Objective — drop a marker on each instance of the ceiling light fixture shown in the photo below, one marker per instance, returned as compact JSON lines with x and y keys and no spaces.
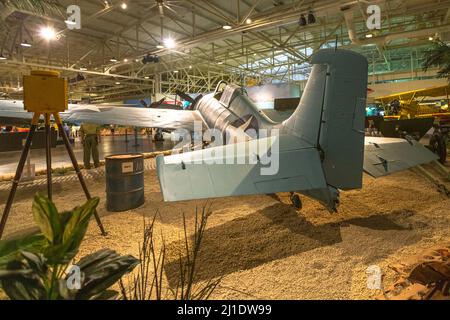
{"x":227,"y":27}
{"x":431,"y":38}
{"x":113,"y":59}
{"x":170,"y":43}
{"x":146,"y":77}
{"x":25,"y":44}
{"x":248,"y":21}
{"x":220,"y":62}
{"x":175,"y":71}
{"x":117,"y":83}
{"x":190,"y":67}
{"x":2,"y":57}
{"x":83,"y":69}
{"x":125,"y":60}
{"x":48,"y":33}
{"x":159,"y":46}
{"x":369,"y":35}
{"x":124,"y":6}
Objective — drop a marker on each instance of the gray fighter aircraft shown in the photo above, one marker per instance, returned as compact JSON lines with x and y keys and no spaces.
{"x":318,"y":151}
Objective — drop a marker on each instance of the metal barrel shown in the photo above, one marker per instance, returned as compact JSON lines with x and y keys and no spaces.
{"x":124,"y":181}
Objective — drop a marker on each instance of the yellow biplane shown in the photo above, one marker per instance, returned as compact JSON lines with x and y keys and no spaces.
{"x":413,"y":104}
{"x":415,"y":112}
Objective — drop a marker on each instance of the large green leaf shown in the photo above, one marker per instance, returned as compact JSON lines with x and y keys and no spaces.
{"x":36,"y":262}
{"x":102,"y":269}
{"x":76,"y":226}
{"x":64,"y":218}
{"x":91,"y":261}
{"x":59,"y":254}
{"x":21,"y":283}
{"x":47,"y":218}
{"x":10,"y":249}
{"x":106,"y":295}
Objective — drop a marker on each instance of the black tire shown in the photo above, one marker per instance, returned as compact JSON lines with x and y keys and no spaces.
{"x":296,"y":201}
{"x":438,"y":146}
{"x":159,"y":137}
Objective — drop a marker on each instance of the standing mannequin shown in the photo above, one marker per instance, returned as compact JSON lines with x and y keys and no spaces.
{"x":90,"y":138}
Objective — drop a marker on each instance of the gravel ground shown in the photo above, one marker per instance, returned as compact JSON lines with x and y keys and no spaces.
{"x":264,"y":249}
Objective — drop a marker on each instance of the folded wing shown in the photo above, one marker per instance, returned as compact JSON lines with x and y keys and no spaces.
{"x":383,"y":156}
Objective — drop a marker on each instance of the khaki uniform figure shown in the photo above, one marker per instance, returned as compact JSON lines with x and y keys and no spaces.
{"x":90,"y":138}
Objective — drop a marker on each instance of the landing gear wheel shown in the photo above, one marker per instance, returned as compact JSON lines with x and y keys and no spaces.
{"x":159,"y":136}
{"x":438,"y":146}
{"x":296,"y":201}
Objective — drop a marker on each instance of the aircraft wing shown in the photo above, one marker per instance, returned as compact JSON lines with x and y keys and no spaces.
{"x":437,"y":91}
{"x":219,"y":171}
{"x":383,"y":156}
{"x":138,"y":117}
{"x":113,"y":114}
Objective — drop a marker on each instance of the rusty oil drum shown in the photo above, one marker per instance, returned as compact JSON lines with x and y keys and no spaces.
{"x":124,"y":181}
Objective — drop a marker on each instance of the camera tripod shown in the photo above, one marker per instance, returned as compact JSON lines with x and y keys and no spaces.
{"x":48,"y":154}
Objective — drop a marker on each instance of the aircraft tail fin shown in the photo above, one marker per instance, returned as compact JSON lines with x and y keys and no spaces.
{"x":331,"y":114}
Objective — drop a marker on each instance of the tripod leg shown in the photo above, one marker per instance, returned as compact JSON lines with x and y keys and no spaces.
{"x":77,"y":169}
{"x":19,"y":170}
{"x":48,"y":155}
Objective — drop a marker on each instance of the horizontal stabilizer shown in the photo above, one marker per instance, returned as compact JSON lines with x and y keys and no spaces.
{"x":384,"y":156}
{"x":197,"y":174}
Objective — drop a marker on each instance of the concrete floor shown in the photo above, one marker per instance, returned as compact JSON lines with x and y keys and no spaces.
{"x":109,"y":145}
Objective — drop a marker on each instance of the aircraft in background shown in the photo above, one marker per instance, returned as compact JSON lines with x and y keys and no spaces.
{"x":320,"y":149}
{"x":176,"y":105}
{"x":413,"y":113}
{"x":412,"y":104}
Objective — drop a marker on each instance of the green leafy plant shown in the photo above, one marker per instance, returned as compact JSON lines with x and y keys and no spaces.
{"x":438,"y":56}
{"x":149,"y":282}
{"x":39,"y":266}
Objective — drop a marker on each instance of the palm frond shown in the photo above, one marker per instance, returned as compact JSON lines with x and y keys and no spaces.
{"x":438,"y":56}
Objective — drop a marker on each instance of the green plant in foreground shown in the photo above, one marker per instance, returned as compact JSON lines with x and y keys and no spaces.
{"x":149,"y":281}
{"x":38,"y":267}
